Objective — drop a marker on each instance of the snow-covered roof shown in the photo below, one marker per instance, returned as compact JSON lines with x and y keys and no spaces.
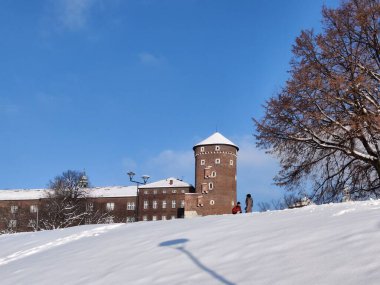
{"x":113,"y":191}
{"x":22,"y":194}
{"x":215,"y":139}
{"x":35,"y":194}
{"x":167,"y":183}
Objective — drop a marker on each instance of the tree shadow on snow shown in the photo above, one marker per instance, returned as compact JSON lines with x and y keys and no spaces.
{"x":179,"y":244}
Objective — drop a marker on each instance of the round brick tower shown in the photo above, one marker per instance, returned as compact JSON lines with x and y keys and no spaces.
{"x":215,"y":174}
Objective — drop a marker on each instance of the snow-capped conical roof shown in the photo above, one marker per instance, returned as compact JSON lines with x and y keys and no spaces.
{"x":216,"y":138}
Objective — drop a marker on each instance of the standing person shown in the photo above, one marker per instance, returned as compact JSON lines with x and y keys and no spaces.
{"x":248,"y":203}
{"x":236,"y":209}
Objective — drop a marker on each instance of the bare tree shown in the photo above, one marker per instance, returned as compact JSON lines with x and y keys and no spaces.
{"x":324,"y":125}
{"x":65,"y":202}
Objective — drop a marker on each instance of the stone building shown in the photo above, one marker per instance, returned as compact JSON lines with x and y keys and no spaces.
{"x":214,"y":193}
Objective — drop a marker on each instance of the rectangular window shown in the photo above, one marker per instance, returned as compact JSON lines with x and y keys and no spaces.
{"x":217,"y":161}
{"x":182,"y":203}
{"x":163,"y":191}
{"x":154,"y":218}
{"x":174,"y":191}
{"x":87,"y":221}
{"x":207,"y":172}
{"x":173,"y":217}
{"x":110,"y":206}
{"x":130,"y":219}
{"x":200,"y":201}
{"x":154,"y":204}
{"x":14,"y":209}
{"x":145,"y":218}
{"x":183,"y":191}
{"x":164,"y":204}
{"x":204,"y":188}
{"x":145,"y":204}
{"x":154,"y":191}
{"x":12,"y":223}
{"x":109,"y":220}
{"x":231,"y":162}
{"x":32,"y":223}
{"x":33,"y":208}
{"x":145,"y":192}
{"x":163,"y":218}
{"x":130,"y":205}
{"x":173,"y":204}
{"x":90,"y":207}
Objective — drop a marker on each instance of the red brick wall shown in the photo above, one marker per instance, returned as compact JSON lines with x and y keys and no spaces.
{"x":221,"y":198}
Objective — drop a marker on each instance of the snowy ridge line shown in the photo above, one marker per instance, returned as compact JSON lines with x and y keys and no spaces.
{"x":61,"y":241}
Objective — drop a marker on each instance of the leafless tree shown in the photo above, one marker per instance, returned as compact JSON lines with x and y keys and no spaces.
{"x":324,"y":125}
{"x":67,"y":203}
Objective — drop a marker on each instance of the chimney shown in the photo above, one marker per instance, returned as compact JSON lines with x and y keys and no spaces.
{"x":171,"y":181}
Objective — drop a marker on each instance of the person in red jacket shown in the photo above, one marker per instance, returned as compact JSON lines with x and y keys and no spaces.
{"x":236,"y":209}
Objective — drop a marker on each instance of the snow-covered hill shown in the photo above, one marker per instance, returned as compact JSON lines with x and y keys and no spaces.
{"x":328,"y":244}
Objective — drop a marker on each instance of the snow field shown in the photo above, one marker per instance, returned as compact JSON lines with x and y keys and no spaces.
{"x":327,"y":244}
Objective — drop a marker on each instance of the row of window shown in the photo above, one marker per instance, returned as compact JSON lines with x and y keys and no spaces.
{"x":163,"y":204}
{"x":155,"y":218}
{"x":217,"y":161}
{"x":32,"y":208}
{"x":110,"y":206}
{"x":163,"y":191}
{"x":217,"y":148}
{"x":89,"y":207}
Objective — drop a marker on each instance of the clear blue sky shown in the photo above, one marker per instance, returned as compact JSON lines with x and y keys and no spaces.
{"x":111,"y":86}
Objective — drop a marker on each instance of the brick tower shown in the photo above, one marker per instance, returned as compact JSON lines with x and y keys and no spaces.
{"x":215,"y":175}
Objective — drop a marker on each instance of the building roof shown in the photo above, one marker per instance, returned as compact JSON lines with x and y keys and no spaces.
{"x":216,"y":139}
{"x":113,"y":191}
{"x":175,"y":183}
{"x":22,"y":194}
{"x":96,"y":192}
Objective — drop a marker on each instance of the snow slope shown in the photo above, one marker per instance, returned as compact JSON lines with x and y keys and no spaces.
{"x":328,"y":244}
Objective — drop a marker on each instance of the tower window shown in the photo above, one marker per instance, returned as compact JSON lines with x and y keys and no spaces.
{"x":207,"y":172}
{"x":202,"y":149}
{"x":217,"y":161}
{"x":203,"y":162}
{"x":210,"y":186}
{"x":212,"y":202}
{"x":204,"y":188}
{"x":217,"y":148}
{"x":231,"y":162}
{"x":213,"y":174}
